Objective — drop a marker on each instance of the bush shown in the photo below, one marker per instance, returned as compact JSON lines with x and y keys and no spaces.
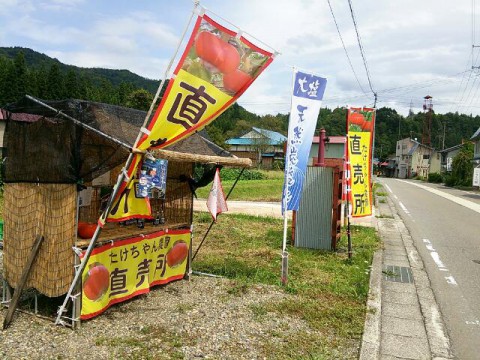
{"x":278,"y":165}
{"x":232,"y":174}
{"x":435,"y":178}
{"x":449,"y":180}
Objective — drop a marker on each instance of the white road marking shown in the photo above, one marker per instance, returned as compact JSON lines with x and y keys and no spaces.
{"x":437,"y":260}
{"x":388,"y":188}
{"x":451,"y":280}
{"x":404,"y":208}
{"x":395,"y":196}
{"x":468,"y":204}
{"x":474,"y":322}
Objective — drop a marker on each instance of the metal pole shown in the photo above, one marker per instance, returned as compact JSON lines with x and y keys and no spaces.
{"x":321,"y":149}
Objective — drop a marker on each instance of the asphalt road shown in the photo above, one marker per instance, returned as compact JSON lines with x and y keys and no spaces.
{"x":445,"y":226}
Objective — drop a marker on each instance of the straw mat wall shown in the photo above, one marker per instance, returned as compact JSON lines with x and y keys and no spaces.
{"x":178,"y":197}
{"x":40,"y":209}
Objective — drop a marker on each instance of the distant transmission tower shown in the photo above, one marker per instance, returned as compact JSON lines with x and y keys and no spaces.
{"x":410,"y":111}
{"x":427,"y":121}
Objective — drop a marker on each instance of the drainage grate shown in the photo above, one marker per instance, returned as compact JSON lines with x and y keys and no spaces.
{"x":398,"y":274}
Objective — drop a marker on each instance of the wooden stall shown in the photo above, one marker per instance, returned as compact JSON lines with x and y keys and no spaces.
{"x":58,"y":175}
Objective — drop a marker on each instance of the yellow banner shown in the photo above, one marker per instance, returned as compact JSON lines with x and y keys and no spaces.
{"x":359,"y":154}
{"x":217,"y":66}
{"x":128,"y":206}
{"x":130,"y":267}
{"x":192,"y":101}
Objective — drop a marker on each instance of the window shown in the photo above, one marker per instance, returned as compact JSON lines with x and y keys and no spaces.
{"x":426,"y":156}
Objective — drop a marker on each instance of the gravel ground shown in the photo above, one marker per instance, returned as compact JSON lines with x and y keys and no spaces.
{"x":205,"y":317}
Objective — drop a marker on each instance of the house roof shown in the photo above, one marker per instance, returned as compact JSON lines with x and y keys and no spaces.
{"x":450,"y":149}
{"x":272,"y":138}
{"x":476,"y":135}
{"x":272,"y":135}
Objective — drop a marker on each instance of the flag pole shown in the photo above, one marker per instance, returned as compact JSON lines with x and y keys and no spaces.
{"x":121,"y":178}
{"x":284,"y":274}
{"x":284,"y":246}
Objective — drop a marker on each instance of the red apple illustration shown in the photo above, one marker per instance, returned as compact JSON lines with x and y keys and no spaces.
{"x":177,"y":254}
{"x":96,"y":281}
{"x":236,"y":80}
{"x":219,"y":53}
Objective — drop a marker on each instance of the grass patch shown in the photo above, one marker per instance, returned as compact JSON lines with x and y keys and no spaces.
{"x":330,"y":289}
{"x":268,"y":189}
{"x":381,"y":193}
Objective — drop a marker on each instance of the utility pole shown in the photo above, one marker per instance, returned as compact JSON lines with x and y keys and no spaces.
{"x":443,"y":140}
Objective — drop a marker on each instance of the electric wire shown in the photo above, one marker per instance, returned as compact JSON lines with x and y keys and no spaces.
{"x":361,"y":48}
{"x":344,"y":47}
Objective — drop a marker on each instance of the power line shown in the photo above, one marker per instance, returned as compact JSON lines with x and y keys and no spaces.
{"x":361,"y":50}
{"x":344,"y":48}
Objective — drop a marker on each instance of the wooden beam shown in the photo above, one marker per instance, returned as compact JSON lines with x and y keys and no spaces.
{"x":16,"y":295}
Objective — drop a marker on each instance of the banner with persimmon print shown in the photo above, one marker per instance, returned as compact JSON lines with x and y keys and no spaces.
{"x":360,"y":127}
{"x":130,"y":267}
{"x":217,"y":66}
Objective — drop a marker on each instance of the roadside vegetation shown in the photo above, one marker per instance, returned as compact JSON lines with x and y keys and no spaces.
{"x":326,"y":290}
{"x":256,"y":185}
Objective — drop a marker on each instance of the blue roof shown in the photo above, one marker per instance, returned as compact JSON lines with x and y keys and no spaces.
{"x":274,"y":138}
{"x":239,"y":141}
{"x":272,"y":135}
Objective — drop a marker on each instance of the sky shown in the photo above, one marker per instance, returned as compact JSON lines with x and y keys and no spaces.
{"x":411,"y":48}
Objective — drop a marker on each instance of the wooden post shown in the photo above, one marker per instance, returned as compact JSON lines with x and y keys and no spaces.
{"x":16,"y":295}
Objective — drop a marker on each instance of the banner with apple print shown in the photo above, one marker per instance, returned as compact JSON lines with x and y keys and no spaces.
{"x":130,"y":267}
{"x":217,"y":66}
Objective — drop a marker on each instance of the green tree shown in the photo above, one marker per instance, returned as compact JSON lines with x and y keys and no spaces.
{"x":462,"y":168}
{"x":71,"y":85}
{"x":55,"y":83}
{"x":140,"y":99}
{"x":20,"y":83}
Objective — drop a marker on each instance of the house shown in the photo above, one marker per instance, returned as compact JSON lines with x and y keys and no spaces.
{"x":262,"y":146}
{"x":447,"y":156}
{"x":413,"y":159}
{"x":476,"y":158}
{"x":334,"y":148}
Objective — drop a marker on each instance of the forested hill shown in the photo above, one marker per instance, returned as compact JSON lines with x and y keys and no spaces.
{"x":36,"y":60}
{"x":25,"y":71}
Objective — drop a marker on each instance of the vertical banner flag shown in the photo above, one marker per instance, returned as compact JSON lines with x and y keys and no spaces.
{"x":360,"y":125}
{"x":216,"y":202}
{"x":307,"y":98}
{"x":217,"y":66}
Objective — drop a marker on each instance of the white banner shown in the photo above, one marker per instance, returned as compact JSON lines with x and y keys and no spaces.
{"x":307,"y":98}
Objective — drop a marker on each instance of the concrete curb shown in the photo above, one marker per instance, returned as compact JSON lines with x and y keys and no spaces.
{"x":372,"y":329}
